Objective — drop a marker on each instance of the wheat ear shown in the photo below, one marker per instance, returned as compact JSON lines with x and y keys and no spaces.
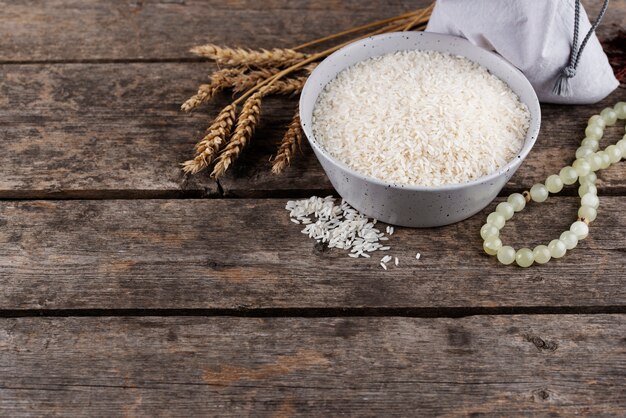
{"x":240,"y":80}
{"x":214,"y":140}
{"x":246,"y":123}
{"x":220,"y":80}
{"x":286,"y":86}
{"x":250,"y":79}
{"x":289,"y":145}
{"x":239,"y":56}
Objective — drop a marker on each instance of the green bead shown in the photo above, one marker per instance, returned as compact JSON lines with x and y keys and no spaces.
{"x":620,"y":110}
{"x":492,"y":245}
{"x":524,"y":257}
{"x":557,"y":248}
{"x":517,"y":201}
{"x":488,"y":230}
{"x":568,"y":175}
{"x":589,"y":178}
{"x":609,"y":116}
{"x":554,"y":184}
{"x":587,"y":188}
{"x":582,"y":152}
{"x":539,"y":193}
{"x":506,"y":255}
{"x":496,"y":219}
{"x":597,"y":120}
{"x":605,"y":160}
{"x":614,"y":153}
{"x":593,"y":132}
{"x":581,"y":229}
{"x":588,"y":212}
{"x":505,"y":209}
{"x":582,"y":167}
{"x":594,"y":160}
{"x":590,"y":199}
{"x":541,"y":254}
{"x":621,"y":144}
{"x":569,"y":239}
{"x":594,"y":144}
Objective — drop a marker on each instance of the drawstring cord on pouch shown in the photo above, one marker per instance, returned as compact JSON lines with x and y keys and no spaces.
{"x":563,"y":87}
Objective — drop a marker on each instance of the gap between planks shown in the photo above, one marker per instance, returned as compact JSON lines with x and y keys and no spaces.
{"x":220,"y":193}
{"x":452,"y":312}
{"x":174,"y":60}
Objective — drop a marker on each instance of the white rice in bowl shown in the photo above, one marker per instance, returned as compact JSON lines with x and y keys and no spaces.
{"x":420,"y":118}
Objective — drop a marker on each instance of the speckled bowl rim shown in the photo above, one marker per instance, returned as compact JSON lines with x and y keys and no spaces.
{"x":529,"y":141}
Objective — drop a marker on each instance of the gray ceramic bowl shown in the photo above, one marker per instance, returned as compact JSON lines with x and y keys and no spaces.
{"x":404,"y":205}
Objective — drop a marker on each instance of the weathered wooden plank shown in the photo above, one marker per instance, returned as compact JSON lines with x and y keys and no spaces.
{"x":115,"y":130}
{"x":238,"y":253}
{"x":189,"y":366}
{"x":98,"y":131}
{"x":167,"y":29}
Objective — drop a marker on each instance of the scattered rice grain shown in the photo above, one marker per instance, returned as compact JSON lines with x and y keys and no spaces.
{"x":337,"y":225}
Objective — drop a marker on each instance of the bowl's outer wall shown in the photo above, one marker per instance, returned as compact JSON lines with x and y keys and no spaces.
{"x":405,"y":207}
{"x":409,"y":205}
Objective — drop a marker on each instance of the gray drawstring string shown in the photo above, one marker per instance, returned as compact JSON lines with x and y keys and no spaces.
{"x":562,"y":86}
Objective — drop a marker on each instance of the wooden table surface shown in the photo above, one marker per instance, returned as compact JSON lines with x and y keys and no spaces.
{"x":128,"y":290}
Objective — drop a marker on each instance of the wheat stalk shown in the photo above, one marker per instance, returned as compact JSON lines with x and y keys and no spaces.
{"x":260,"y":73}
{"x":249,"y":119}
{"x":358,"y":29}
{"x":289,"y":145}
{"x":248,"y":80}
{"x":237,"y":79}
{"x":239,"y":56}
{"x":421,"y":17}
{"x":311,"y":58}
{"x":286,"y":86}
{"x":214,"y":140}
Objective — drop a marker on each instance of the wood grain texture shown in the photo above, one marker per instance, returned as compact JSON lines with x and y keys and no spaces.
{"x":246,"y":254}
{"x":98,"y":131}
{"x":89,"y":108}
{"x":476,"y":366}
{"x":36,"y":30}
{"x":115,"y":130}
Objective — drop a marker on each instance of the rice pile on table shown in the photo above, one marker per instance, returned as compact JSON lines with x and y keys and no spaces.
{"x":338,"y":226}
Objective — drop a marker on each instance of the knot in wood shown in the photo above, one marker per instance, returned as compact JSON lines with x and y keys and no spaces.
{"x":541,"y":344}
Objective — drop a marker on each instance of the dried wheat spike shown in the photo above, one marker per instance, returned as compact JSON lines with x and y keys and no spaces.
{"x":247,"y":121}
{"x":239,"y":56}
{"x":246,"y":81}
{"x":287,"y":86}
{"x":220,"y":80}
{"x":209,"y":146}
{"x":240,"y":80}
{"x":289,"y":146}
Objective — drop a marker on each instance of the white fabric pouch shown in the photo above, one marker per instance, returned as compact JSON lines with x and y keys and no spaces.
{"x":536,"y":36}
